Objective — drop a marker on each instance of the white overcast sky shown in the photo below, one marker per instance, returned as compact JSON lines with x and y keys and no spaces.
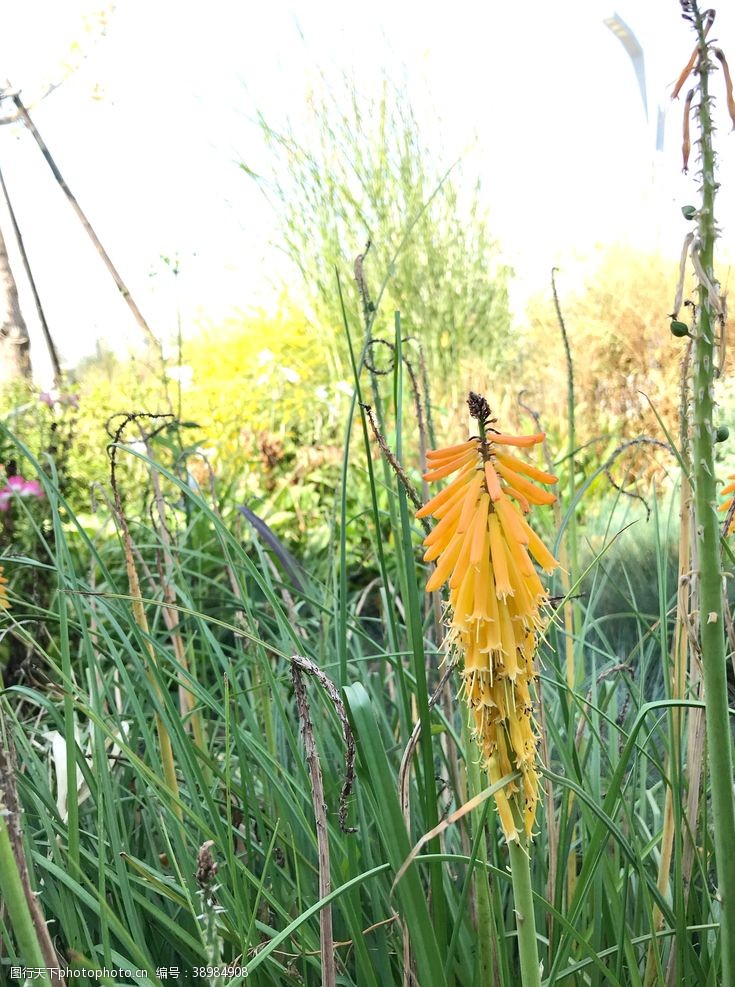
{"x":562,"y":144}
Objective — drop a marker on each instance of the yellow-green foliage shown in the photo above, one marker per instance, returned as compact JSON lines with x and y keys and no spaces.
{"x":357,"y":170}
{"x":261,"y":374}
{"x":623,"y":351}
{"x":108,"y":387}
{"x":257,"y":401}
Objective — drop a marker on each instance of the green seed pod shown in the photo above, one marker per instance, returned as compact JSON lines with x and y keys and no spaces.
{"x":722,"y":433}
{"x":688,"y":212}
{"x":679,"y":329}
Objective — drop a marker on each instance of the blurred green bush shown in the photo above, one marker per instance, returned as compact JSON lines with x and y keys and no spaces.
{"x":359,"y":171}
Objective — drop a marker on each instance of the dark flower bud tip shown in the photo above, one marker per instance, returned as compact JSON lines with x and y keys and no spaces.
{"x":479,"y":408}
{"x":722,"y":434}
{"x":679,"y":329}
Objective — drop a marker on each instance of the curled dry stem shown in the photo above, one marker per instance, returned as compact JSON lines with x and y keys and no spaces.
{"x":164,"y":739}
{"x":642,"y":440}
{"x":394,"y":464}
{"x":308,"y":666}
{"x":326,"y":934}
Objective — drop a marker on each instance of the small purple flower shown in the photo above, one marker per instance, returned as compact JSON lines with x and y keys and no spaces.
{"x":20,"y":487}
{"x":54,"y":397}
{"x":30,"y":488}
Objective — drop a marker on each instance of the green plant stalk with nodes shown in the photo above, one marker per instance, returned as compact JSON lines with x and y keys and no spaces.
{"x":712,"y":636}
{"x":13,"y":895}
{"x":487,"y":932}
{"x":520,"y":868}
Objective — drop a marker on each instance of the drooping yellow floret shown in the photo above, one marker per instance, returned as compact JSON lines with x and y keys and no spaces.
{"x":4,"y":601}
{"x":727,"y":504}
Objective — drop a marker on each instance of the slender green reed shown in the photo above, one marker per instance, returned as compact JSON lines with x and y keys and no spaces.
{"x":14,"y":899}
{"x":712,"y":630}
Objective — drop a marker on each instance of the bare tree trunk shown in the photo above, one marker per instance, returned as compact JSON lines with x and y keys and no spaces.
{"x":15,"y":346}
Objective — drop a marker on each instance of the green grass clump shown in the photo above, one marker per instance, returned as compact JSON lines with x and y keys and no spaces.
{"x":116,"y":867}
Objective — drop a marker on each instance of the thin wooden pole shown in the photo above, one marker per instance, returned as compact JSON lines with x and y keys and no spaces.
{"x":31,"y":281}
{"x":121,"y":286}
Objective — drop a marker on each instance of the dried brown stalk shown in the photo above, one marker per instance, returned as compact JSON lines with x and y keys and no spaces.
{"x":164,"y":739}
{"x":326,"y":934}
{"x":170,"y":614}
{"x":10,"y":806}
{"x":121,"y":286}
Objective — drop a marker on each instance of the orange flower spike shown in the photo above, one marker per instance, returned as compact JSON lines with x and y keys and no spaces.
{"x":492,"y":482}
{"x":727,"y":492}
{"x":496,"y":598}
{"x":520,"y":466}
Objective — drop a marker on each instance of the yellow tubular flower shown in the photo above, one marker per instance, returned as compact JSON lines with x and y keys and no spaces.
{"x":446,"y":495}
{"x":727,"y":504}
{"x":485,"y":550}
{"x":4,"y":601}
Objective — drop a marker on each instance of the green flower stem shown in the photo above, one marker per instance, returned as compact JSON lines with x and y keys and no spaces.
{"x":12,"y":894}
{"x":487,"y":931}
{"x":719,"y":738}
{"x":520,"y":868}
